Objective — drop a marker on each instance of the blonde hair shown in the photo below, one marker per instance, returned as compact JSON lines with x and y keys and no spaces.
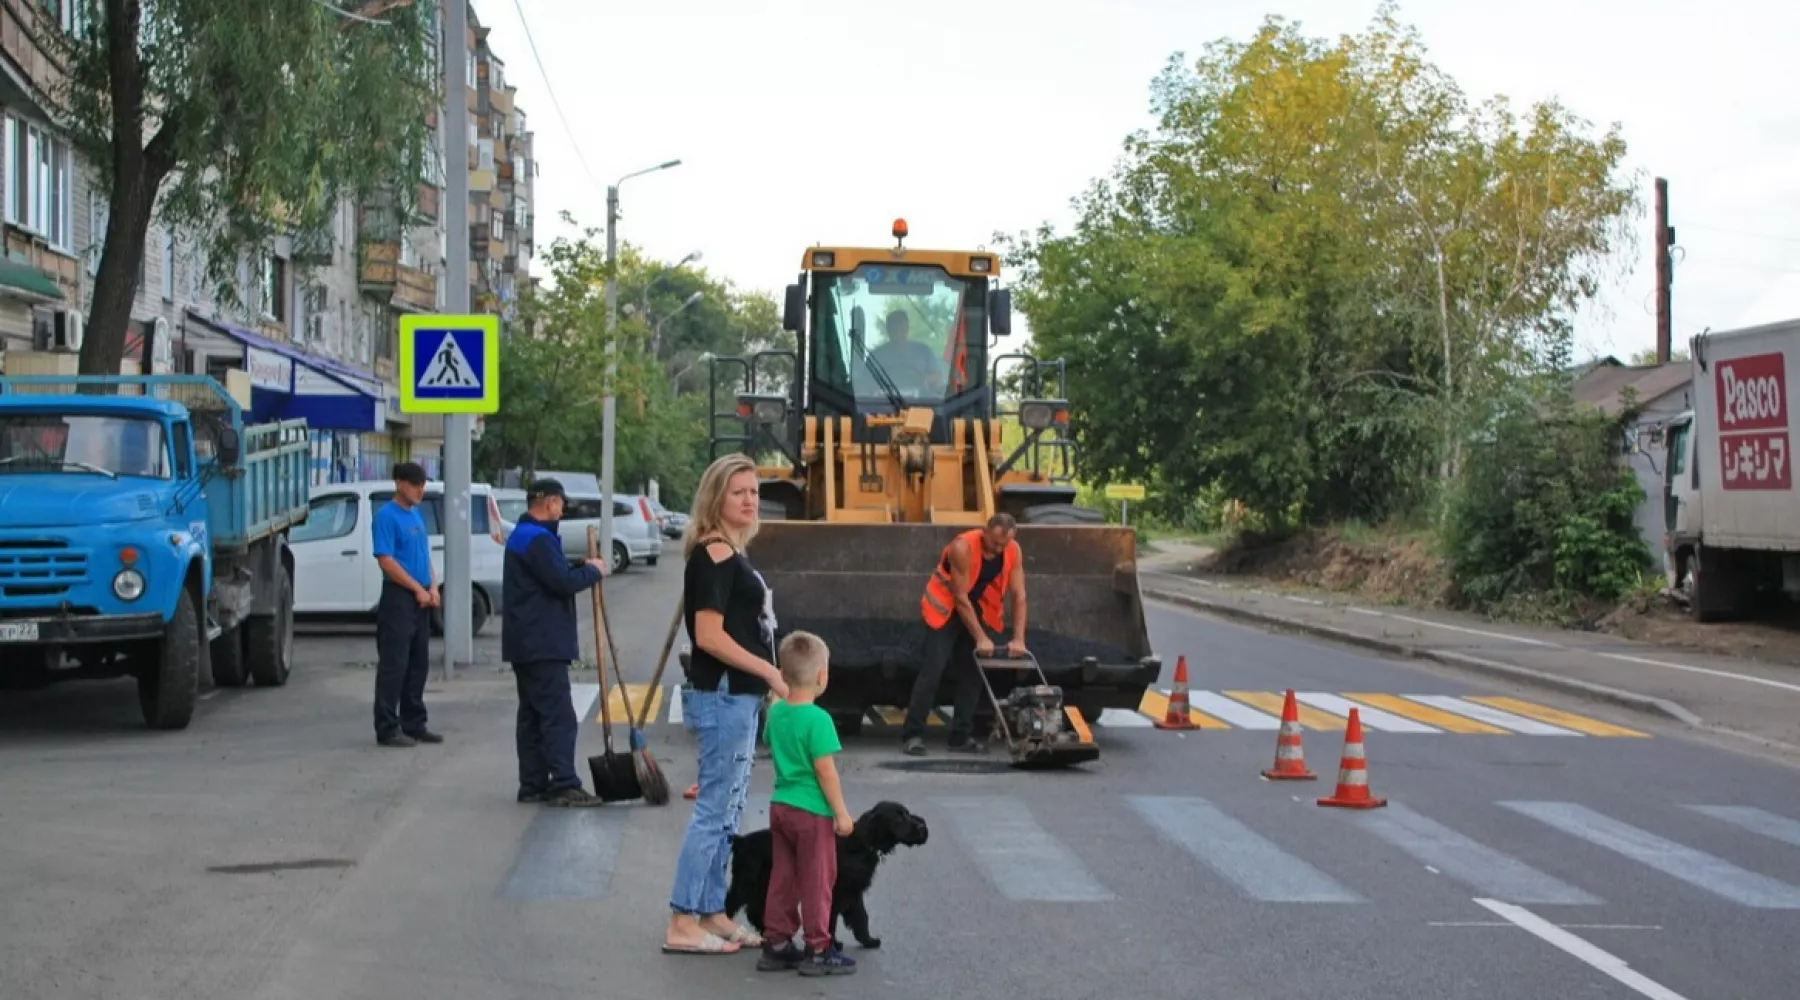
{"x":708,"y":517}
{"x":802,"y":655}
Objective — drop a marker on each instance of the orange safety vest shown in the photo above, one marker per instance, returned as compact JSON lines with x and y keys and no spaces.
{"x":939,"y":602}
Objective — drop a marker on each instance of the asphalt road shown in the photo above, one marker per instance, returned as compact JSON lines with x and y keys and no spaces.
{"x":273,"y":851}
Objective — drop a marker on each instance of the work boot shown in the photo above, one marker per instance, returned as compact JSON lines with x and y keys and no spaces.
{"x":426,"y":736}
{"x":572,"y":798}
{"x":913,"y":747}
{"x":531,"y":796}
{"x":397,"y":740}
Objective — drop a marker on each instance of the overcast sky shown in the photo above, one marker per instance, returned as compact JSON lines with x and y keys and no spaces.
{"x":806,"y":123}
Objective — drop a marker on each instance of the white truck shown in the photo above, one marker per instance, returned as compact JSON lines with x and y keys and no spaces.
{"x":1732,"y":513}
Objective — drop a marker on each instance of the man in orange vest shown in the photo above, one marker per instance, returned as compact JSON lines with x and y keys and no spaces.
{"x":964,"y":608}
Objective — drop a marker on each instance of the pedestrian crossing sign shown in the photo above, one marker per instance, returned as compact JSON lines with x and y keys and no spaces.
{"x":449,"y":364}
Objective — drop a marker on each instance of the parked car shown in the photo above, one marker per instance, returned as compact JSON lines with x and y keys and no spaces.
{"x":636,"y":536}
{"x":671,"y":522}
{"x":335,"y":573}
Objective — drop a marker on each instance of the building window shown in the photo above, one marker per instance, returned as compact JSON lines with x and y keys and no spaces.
{"x":168,"y":261}
{"x":499,"y":226}
{"x":274,"y":288}
{"x":40,"y":183}
{"x":70,"y":15}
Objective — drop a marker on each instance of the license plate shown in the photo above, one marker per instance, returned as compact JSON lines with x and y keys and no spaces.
{"x":18,"y":631}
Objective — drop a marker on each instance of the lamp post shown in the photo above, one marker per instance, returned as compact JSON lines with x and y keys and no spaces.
{"x":609,"y":406}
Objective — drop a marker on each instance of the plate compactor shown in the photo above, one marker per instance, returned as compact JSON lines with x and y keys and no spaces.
{"x":1040,"y":732}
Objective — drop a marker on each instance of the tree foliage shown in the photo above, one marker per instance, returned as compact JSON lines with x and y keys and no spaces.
{"x":238,"y":121}
{"x":553,"y":364}
{"x":1311,"y":283}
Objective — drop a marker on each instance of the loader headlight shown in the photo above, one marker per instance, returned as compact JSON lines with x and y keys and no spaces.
{"x":1039,"y":414}
{"x":763,"y":409}
{"x":128,"y":585}
{"x":981,"y":265}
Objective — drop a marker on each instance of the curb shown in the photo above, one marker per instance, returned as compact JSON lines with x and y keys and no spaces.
{"x":1660,"y":707}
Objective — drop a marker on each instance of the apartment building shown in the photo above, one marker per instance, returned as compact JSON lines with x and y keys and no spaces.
{"x":316,"y":326}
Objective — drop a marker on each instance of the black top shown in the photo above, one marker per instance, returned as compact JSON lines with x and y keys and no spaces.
{"x":986,"y":575}
{"x":736,"y":590}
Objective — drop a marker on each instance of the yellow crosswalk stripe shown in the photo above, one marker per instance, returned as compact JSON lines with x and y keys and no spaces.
{"x":615,"y":703}
{"x":1579,"y":723}
{"x":1273,"y":703}
{"x":1426,"y":714}
{"x":1156,"y":706}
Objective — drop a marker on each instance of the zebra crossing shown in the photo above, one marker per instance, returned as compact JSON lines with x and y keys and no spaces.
{"x":1322,"y":711}
{"x":1027,"y":854}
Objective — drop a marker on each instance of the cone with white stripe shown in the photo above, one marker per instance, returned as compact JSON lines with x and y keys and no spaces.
{"x":1353,"y":772}
{"x":1290,"y":755}
{"x":1176,"y":717}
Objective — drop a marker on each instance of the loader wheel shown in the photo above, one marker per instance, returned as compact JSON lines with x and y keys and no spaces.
{"x":848,"y":724}
{"x":1061,"y":513}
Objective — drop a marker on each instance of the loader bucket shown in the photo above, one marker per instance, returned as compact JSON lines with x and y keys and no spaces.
{"x":858,"y":586}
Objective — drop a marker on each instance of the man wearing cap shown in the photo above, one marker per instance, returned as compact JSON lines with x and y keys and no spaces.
{"x":409,"y":590}
{"x":539,"y":637}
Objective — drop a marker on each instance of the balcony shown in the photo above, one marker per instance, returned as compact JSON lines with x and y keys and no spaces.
{"x":23,"y":26}
{"x":408,"y":289}
{"x":428,"y":201}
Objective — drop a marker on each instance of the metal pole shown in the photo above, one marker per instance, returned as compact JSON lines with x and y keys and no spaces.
{"x":459,"y":640}
{"x":609,"y":405}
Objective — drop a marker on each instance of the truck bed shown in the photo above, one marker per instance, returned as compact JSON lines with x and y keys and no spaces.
{"x":269,"y":490}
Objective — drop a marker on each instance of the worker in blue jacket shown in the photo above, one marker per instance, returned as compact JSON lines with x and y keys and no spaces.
{"x":539,"y":638}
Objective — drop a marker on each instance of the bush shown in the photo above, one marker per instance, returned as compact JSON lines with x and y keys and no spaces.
{"x":1544,"y":507}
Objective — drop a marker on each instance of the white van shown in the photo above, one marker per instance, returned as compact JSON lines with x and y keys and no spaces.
{"x":335,"y":573}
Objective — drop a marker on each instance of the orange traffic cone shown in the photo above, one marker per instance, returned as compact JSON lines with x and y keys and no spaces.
{"x":1177,"y":715}
{"x":1353,"y":773}
{"x":1290,"y":756}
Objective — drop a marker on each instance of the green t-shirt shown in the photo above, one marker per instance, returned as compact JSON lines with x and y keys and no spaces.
{"x":798,"y":735}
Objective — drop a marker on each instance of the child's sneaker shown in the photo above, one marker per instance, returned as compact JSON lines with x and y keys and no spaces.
{"x":831,"y":962}
{"x":786,"y":958}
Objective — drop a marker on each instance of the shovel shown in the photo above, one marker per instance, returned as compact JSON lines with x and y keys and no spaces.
{"x":615,"y":776}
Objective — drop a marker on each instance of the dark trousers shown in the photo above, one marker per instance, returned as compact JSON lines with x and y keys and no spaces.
{"x":951,"y":646}
{"x":403,"y":645}
{"x":546,"y":728}
{"x":805,"y":848}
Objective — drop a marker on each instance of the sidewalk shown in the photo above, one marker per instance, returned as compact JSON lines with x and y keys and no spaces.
{"x":1753,"y":700}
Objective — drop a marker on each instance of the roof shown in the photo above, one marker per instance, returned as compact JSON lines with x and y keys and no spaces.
{"x":1603,"y":385}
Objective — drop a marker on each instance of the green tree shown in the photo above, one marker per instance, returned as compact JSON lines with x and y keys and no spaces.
{"x":1308,"y":284}
{"x":247,"y":118}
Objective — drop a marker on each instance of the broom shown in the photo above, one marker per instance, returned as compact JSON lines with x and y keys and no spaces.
{"x":659,"y":795}
{"x":615,"y":777}
{"x":649,"y":775}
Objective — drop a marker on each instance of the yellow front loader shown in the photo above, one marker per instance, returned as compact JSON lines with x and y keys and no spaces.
{"x":881,"y":438}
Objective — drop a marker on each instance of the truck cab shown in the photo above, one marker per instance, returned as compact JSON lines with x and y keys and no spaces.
{"x":136,"y":541}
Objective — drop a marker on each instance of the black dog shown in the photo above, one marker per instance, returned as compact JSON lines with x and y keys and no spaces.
{"x":885,"y":826}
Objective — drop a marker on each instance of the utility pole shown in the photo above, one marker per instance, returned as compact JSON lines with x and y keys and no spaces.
{"x":609,"y":403}
{"x":459,"y":640}
{"x":1665,"y":238}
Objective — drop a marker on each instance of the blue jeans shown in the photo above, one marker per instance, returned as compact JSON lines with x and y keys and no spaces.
{"x":725,"y":725}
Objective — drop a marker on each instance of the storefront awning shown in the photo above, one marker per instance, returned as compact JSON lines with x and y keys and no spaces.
{"x":287,"y":383}
{"x":21,"y":280}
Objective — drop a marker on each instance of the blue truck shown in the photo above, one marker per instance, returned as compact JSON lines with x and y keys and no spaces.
{"x":143,"y":534}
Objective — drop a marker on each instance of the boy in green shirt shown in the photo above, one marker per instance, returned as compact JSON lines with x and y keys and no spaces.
{"x":805,"y":812}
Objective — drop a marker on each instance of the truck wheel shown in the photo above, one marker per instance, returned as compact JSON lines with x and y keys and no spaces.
{"x":270,"y":638}
{"x":228,"y":668}
{"x":168,"y":689}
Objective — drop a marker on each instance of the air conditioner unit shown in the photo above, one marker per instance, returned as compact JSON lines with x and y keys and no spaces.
{"x":162,"y":345}
{"x":67,"y":331}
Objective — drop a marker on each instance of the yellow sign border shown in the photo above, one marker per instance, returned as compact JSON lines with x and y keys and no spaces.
{"x":489,"y":328}
{"x":1126,"y":491}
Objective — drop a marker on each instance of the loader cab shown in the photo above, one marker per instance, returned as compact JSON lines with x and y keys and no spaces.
{"x":883,"y":329}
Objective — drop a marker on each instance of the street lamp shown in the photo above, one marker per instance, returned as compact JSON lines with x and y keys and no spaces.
{"x":656,"y":342}
{"x":675,"y":382}
{"x":610,"y":404}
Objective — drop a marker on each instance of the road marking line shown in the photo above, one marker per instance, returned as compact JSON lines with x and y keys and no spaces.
{"x":1235,"y":713}
{"x":1489,"y":871}
{"x":1310,"y":717}
{"x":1469,"y":631}
{"x":1155,"y":705}
{"x":1756,"y":821}
{"x":1580,"y":723}
{"x":1123,"y":718}
{"x":1237,"y":853}
{"x":1696,"y":868}
{"x":1425,"y":713}
{"x":1603,"y":961}
{"x":894,"y":715}
{"x":1566,"y":927}
{"x":1746,"y":678}
{"x":675,"y":715}
{"x":584,"y":696}
{"x":616,"y":697}
{"x":1372,"y":717}
{"x":1489,"y":714}
{"x":566,"y":854}
{"x":1020,"y":858}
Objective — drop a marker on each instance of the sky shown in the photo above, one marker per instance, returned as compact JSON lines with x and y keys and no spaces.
{"x":799,"y":124}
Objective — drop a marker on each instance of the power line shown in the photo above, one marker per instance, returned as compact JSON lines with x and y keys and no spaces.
{"x":548,"y":89}
{"x":1740,"y":232}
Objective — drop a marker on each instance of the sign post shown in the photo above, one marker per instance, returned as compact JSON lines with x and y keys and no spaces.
{"x":1125,"y":493}
{"x":451,"y":365}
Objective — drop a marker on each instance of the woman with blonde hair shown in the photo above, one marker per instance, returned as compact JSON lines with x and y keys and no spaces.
{"x":730,"y":619}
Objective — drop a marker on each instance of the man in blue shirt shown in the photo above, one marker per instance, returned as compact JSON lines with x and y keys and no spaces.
{"x":539,"y":636}
{"x":409,"y":592}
